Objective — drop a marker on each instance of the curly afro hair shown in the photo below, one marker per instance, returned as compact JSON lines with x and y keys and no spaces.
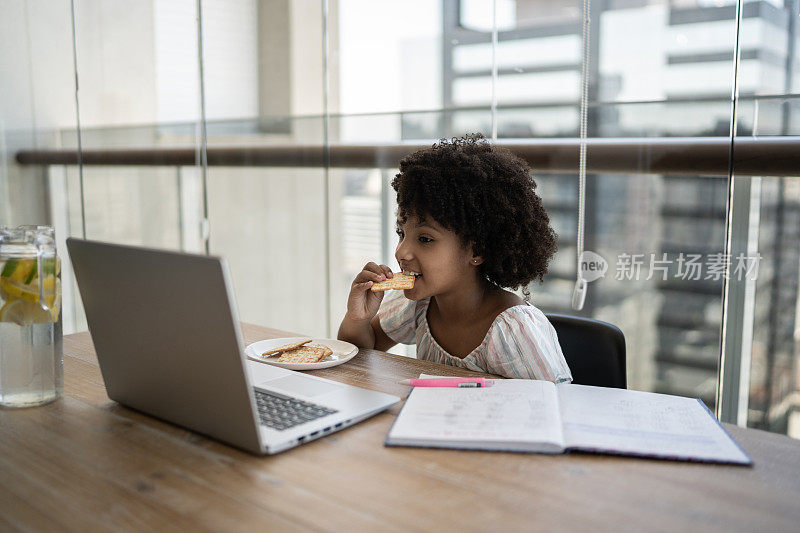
{"x":484,"y":194}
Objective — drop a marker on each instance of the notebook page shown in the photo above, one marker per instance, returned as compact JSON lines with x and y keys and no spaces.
{"x":643,"y":423}
{"x":512,"y":414}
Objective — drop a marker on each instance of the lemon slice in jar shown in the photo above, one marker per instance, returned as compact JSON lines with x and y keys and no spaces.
{"x":20,"y":270}
{"x":25,"y":313}
{"x":11,"y":289}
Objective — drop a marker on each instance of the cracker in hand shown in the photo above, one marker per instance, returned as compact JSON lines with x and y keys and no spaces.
{"x":399,"y":281}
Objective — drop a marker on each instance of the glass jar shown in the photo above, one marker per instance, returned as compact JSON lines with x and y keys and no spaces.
{"x":31,"y":358}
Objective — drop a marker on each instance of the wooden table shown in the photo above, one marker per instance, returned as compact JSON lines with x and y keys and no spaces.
{"x":87,"y":463}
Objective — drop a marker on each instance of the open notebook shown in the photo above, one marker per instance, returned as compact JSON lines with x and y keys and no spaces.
{"x":539,"y":416}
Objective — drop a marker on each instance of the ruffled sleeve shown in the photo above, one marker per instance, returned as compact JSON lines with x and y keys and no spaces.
{"x":523,"y":344}
{"x":397,"y":316}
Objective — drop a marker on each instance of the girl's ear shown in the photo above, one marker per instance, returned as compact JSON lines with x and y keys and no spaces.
{"x":476,"y":259}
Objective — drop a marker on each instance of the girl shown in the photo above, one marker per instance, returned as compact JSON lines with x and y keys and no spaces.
{"x":469,"y":224}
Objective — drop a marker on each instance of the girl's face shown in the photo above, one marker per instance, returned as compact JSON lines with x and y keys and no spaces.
{"x":435,"y":255}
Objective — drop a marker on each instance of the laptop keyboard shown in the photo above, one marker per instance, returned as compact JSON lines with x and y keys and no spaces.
{"x":280,"y":412}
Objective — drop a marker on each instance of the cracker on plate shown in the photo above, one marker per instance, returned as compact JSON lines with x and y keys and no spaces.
{"x":399,"y":281}
{"x":311,"y":353}
{"x":284,"y":348}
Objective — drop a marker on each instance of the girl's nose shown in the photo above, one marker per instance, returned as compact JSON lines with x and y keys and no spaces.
{"x":403,"y":251}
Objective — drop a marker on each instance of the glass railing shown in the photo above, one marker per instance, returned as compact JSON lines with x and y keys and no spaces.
{"x":298,"y":203}
{"x":660,"y":228}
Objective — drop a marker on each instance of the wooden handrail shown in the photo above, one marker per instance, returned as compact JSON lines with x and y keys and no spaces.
{"x":705,"y":156}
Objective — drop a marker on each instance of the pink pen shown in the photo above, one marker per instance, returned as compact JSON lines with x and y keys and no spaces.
{"x":449,"y":382}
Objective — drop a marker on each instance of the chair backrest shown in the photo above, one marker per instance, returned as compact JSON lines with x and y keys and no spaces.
{"x":594,"y":350}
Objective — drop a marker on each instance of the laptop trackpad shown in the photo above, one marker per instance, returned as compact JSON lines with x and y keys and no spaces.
{"x":295,"y":384}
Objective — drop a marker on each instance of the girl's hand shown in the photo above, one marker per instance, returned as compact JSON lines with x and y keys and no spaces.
{"x":362,"y":303}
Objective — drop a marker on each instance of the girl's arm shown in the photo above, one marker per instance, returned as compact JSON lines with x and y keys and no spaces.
{"x":359,"y":332}
{"x":362,"y":306}
{"x":369,"y":336}
{"x":382,"y":341}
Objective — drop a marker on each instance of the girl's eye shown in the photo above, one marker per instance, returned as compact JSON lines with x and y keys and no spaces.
{"x":399,"y":233}
{"x":424,"y":239}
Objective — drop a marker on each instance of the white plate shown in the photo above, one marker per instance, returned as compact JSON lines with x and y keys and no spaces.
{"x":342,"y":353}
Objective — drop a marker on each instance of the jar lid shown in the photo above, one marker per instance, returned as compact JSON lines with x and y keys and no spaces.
{"x":24,"y":240}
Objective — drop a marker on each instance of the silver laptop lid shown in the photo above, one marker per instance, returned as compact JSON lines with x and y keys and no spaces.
{"x":167,"y":337}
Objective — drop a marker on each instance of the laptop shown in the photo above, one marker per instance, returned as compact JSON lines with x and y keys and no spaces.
{"x":168,"y":341}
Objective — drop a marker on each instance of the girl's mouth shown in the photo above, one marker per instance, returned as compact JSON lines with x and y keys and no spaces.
{"x":412,"y":273}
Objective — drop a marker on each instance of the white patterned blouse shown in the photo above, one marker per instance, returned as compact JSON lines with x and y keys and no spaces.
{"x":521,"y":342}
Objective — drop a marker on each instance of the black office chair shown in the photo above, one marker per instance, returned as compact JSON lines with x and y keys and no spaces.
{"x":594,"y":350}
